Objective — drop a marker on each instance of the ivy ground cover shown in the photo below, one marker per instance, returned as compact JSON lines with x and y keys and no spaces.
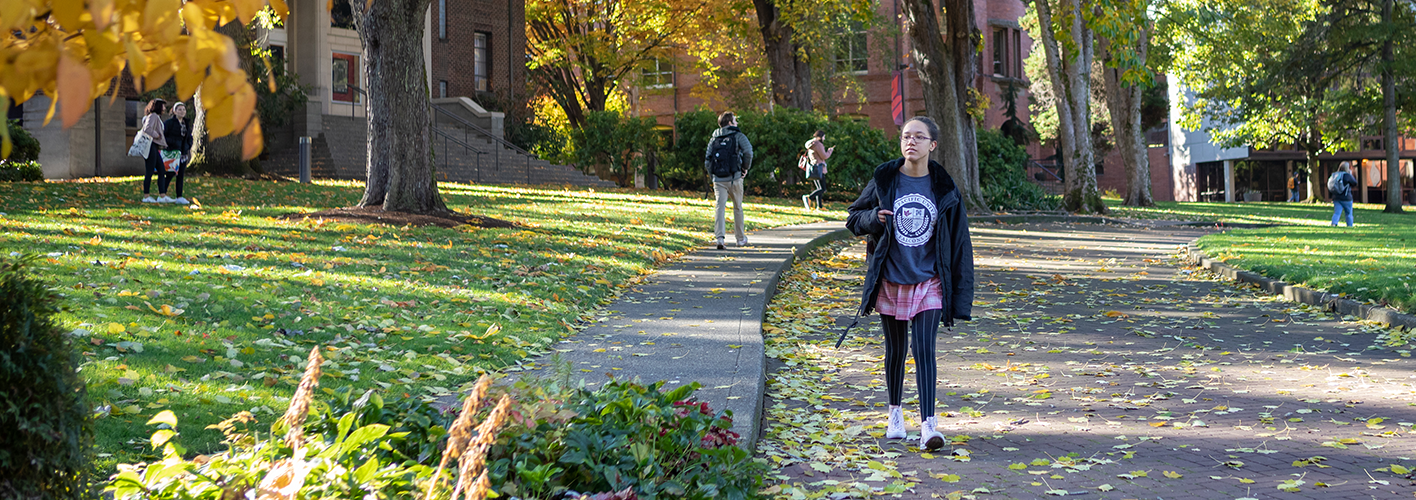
{"x":210,"y":311}
{"x":1374,"y":261}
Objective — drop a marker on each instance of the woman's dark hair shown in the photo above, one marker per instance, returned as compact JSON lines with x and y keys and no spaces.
{"x":725,"y":119}
{"x":155,"y":106}
{"x":928,"y":124}
{"x":820,"y":134}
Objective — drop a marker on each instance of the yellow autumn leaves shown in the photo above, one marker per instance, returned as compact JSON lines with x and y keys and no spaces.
{"x":72,"y":50}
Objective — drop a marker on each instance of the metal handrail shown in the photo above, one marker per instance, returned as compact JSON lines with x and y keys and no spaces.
{"x":479,"y":128}
{"x":1045,"y":169}
{"x":448,"y":138}
{"x":358,"y":103}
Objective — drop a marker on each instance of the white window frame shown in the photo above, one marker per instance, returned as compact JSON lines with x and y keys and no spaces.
{"x":655,"y":70}
{"x":482,"y":61}
{"x":848,"y":40}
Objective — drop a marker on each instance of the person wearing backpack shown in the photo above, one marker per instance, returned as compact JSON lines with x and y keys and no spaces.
{"x":817,"y":153}
{"x":1339,"y":186}
{"x":727,"y":159}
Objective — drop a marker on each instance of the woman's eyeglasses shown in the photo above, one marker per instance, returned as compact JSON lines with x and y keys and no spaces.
{"x":915,"y":138}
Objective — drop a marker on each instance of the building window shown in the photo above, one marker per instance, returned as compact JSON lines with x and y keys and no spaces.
{"x":482,"y":62}
{"x":442,"y":88}
{"x":659,"y":74}
{"x":341,"y":15}
{"x":1017,"y":53}
{"x":132,"y":112}
{"x":442,"y":19}
{"x":1000,"y":51}
{"x":851,"y":54}
{"x":345,"y":83}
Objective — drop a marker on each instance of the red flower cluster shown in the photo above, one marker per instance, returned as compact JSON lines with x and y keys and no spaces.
{"x":716,"y":436}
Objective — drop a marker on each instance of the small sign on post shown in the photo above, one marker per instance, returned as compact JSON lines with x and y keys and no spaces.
{"x":304,"y":160}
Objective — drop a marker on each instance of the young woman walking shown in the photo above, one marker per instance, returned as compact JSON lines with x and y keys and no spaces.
{"x":921,"y":272}
{"x":817,"y":153}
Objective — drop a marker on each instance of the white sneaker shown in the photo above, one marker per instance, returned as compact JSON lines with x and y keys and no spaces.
{"x":164,"y":199}
{"x":895,"y":428}
{"x":929,"y":438}
{"x":181,"y":201}
{"x":720,"y":245}
{"x":149,"y":199}
{"x":742,"y":242}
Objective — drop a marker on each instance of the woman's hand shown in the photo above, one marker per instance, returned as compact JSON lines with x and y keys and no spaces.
{"x":882,"y":214}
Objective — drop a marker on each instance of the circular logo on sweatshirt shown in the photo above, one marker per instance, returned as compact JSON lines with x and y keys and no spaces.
{"x":914,"y":219}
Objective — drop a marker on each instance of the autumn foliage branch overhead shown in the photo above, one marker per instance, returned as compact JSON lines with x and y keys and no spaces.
{"x":73,"y":51}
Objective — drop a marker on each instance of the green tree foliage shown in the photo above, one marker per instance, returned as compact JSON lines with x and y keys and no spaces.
{"x":778,"y":137}
{"x":612,"y":145}
{"x":45,"y":435}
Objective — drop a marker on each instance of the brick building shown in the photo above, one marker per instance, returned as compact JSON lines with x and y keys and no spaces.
{"x":1005,"y":46}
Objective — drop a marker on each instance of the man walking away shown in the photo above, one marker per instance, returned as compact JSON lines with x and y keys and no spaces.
{"x":1340,"y":188}
{"x":728,"y":157}
{"x":1293,"y":187}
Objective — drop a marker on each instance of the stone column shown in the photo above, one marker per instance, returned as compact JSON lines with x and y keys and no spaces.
{"x":308,"y":49}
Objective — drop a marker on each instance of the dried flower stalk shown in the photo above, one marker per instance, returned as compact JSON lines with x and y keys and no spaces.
{"x":294,"y":416}
{"x":461,"y":431}
{"x":472,"y":474}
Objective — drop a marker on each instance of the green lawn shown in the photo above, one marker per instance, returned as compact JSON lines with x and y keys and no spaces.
{"x":1374,"y":261}
{"x":183,"y":309}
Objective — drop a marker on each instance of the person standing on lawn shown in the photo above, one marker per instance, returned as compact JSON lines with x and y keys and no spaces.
{"x":1340,"y":186}
{"x":152,"y":126}
{"x":179,"y":139}
{"x":921,"y":273}
{"x":817,"y":153}
{"x":728,"y":157}
{"x":1293,"y":187}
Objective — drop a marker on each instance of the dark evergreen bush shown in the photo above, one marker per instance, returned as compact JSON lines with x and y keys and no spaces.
{"x":1002,"y":169}
{"x":24,"y":147}
{"x":45,"y":436}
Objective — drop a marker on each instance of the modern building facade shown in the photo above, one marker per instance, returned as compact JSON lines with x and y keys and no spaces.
{"x":1200,"y":170}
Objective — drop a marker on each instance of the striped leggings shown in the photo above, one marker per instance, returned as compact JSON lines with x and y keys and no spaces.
{"x":922,"y":330}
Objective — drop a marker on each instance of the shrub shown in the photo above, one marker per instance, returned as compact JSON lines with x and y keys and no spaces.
{"x":45,"y":435}
{"x":612,"y":145}
{"x":777,"y":138}
{"x":1002,"y":169}
{"x":25,"y":171}
{"x":24,"y":146}
{"x":623,"y":436}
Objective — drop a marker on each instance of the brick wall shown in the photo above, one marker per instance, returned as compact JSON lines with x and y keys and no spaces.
{"x":453,"y":56}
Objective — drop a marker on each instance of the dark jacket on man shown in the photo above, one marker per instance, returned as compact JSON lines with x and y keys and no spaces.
{"x":179,"y":135}
{"x":1344,"y":195}
{"x":954,"y":267}
{"x":744,"y":152}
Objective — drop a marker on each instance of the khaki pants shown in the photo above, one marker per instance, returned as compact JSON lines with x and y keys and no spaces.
{"x":723,"y":190}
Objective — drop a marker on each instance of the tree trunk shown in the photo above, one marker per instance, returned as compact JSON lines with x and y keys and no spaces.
{"x":934,"y":63}
{"x":791,"y":72}
{"x":400,"y":162}
{"x":1070,"y":73}
{"x":1124,"y":105}
{"x":1317,"y":187}
{"x":222,"y":155}
{"x":964,"y":41}
{"x":1393,"y":162}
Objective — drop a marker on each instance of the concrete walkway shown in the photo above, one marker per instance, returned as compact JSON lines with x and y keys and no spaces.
{"x":698,"y":319}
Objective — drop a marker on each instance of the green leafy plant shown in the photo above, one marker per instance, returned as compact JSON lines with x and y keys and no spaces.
{"x":46,"y":447}
{"x":623,"y":436}
{"x":612,"y":145}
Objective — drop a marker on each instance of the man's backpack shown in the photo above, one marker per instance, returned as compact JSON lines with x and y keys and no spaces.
{"x":723,"y":160}
{"x":1336,"y":186}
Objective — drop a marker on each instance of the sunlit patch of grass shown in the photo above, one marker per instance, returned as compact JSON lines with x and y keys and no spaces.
{"x":401,"y":310}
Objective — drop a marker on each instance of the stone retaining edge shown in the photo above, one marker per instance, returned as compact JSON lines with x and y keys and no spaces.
{"x":754,"y":425}
{"x":1328,"y":301}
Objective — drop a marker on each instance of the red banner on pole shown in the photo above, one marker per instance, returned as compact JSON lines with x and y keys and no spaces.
{"x":897,"y":98}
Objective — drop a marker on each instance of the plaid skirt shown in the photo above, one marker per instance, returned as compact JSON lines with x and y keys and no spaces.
{"x":905,"y":301}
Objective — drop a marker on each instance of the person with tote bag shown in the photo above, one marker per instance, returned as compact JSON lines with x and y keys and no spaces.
{"x":152,"y":133}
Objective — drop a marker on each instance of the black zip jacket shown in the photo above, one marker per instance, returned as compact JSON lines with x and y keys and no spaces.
{"x":178,"y":135}
{"x":954,"y":265}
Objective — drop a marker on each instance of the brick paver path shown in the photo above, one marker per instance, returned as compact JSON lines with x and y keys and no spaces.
{"x":1097,"y":365}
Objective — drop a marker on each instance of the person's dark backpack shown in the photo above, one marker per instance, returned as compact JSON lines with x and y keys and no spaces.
{"x":1336,"y":186}
{"x":723,"y":160}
